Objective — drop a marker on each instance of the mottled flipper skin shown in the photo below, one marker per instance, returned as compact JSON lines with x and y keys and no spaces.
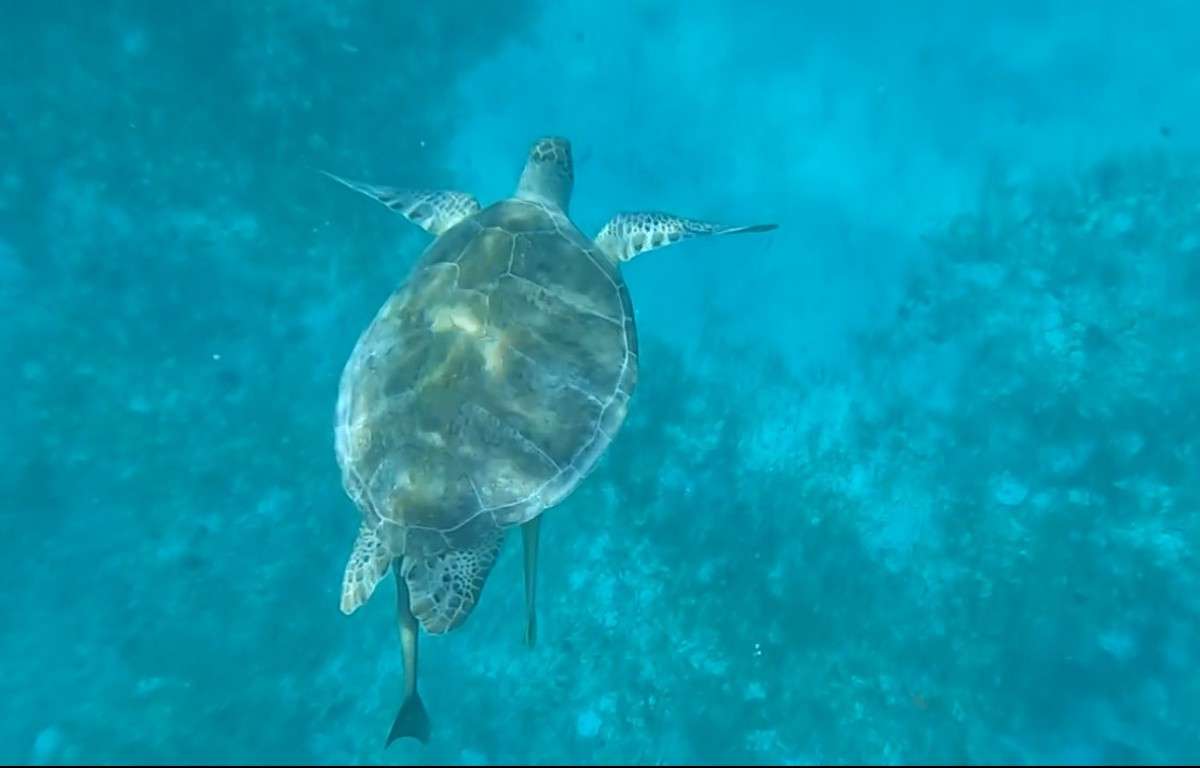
{"x":368,"y":564}
{"x":433,"y":210}
{"x":628,"y":234}
{"x":446,"y":587}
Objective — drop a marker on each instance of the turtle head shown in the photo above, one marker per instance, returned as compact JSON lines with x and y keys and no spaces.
{"x":549,"y":173}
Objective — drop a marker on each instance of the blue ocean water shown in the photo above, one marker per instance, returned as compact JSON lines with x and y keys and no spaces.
{"x":911,"y":478}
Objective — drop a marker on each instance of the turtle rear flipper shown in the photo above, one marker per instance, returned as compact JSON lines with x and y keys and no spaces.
{"x":366,"y":567}
{"x":445,"y":587}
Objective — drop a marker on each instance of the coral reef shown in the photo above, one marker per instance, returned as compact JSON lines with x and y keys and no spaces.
{"x":979,"y":547}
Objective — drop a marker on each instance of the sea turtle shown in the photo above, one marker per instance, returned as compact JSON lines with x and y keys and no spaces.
{"x":484,"y":390}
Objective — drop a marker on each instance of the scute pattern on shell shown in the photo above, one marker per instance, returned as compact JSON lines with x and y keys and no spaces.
{"x":488,"y":385}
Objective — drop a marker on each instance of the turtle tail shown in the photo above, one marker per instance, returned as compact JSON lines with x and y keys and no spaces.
{"x":412,"y":721}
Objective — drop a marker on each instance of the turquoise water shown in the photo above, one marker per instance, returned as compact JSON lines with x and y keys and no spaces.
{"x":911,"y":478}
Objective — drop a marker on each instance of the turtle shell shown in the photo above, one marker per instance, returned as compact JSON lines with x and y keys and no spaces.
{"x":489,"y":384}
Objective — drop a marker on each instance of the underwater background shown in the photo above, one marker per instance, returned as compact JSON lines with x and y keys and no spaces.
{"x":911,"y":478}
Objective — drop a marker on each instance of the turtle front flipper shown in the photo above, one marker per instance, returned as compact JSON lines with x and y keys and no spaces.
{"x":628,"y":234}
{"x":434,"y":210}
{"x":444,"y":588}
{"x":366,"y":567}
